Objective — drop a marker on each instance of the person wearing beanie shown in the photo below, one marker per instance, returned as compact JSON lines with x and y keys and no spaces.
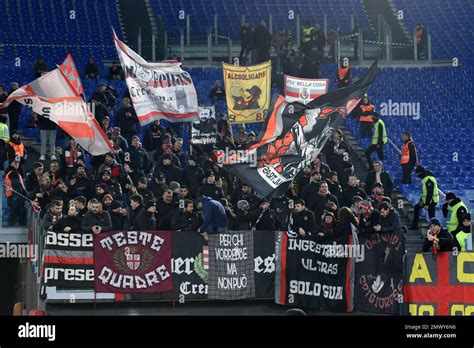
{"x":429,"y":196}
{"x":16,"y":150}
{"x":118,"y":214}
{"x":462,"y":234}
{"x":437,"y":238}
{"x":379,"y":139}
{"x":210,"y":189}
{"x":168,"y":167}
{"x":453,"y":211}
{"x":409,"y":157}
{"x":142,"y":190}
{"x":126,"y":118}
{"x":147,"y":217}
{"x":137,"y":155}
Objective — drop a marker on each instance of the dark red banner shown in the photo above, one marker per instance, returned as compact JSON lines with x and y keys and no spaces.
{"x":133,"y":262}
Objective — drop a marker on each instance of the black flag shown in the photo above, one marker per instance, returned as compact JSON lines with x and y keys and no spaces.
{"x":292,"y":137}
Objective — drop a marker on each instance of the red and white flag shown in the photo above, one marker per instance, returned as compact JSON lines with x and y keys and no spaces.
{"x":158,"y":90}
{"x":69,"y":69}
{"x":52,"y":96}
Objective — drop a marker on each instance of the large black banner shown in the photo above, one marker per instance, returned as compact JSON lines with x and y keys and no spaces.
{"x":313,"y":275}
{"x":190,"y":267}
{"x":379,"y":276}
{"x":68,"y":260}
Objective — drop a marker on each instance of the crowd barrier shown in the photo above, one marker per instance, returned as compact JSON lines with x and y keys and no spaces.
{"x":365,"y":274}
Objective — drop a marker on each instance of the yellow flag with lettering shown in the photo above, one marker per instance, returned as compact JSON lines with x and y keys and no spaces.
{"x":247,"y":91}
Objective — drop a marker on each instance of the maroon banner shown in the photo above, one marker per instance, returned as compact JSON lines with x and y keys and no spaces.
{"x":133,"y":262}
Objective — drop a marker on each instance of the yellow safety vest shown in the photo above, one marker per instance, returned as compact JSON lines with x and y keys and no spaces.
{"x":375,"y":137}
{"x":307,"y":33}
{"x":452,"y":221}
{"x":462,"y":238}
{"x":4,"y":133}
{"x":424,"y":191}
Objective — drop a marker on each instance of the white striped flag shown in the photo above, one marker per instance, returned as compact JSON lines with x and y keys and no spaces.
{"x":52,"y":96}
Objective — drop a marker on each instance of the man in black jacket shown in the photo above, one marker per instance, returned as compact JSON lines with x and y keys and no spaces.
{"x":166,"y":166}
{"x":127,"y":120}
{"x":322,"y":201}
{"x":14,"y":109}
{"x":166,"y":208}
{"x":351,"y":191}
{"x":301,"y":220}
{"x":137,"y":155}
{"x":381,"y":176}
{"x":210,"y":189}
{"x":389,"y":221}
{"x":267,"y":219}
{"x":136,"y":206}
{"x":96,"y":220}
{"x":192,"y":176}
{"x":185,"y":219}
{"x":245,"y":217}
{"x":246,"y":44}
{"x":146,"y":219}
{"x":263,"y":41}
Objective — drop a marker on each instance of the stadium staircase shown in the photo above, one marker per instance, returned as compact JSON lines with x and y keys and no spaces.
{"x":376,"y":8}
{"x":414,"y":240}
{"x":137,"y":13}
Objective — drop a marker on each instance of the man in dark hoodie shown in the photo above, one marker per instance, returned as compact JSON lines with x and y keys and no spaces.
{"x":116,"y":211}
{"x":53,"y":215}
{"x":210,"y":189}
{"x":437,"y":238}
{"x":429,"y":196}
{"x":186,"y":218}
{"x":453,"y":211}
{"x":214,"y":216}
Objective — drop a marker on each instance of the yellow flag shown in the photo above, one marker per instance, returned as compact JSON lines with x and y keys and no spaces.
{"x":247,"y":91}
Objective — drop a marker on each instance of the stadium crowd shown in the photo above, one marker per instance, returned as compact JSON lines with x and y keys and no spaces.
{"x":150,"y":183}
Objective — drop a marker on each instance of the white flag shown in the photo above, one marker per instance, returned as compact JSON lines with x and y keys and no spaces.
{"x":52,"y":96}
{"x":158,"y":90}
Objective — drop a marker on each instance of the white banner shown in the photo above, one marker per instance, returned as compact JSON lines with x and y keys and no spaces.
{"x":158,"y":90}
{"x":304,"y":90}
